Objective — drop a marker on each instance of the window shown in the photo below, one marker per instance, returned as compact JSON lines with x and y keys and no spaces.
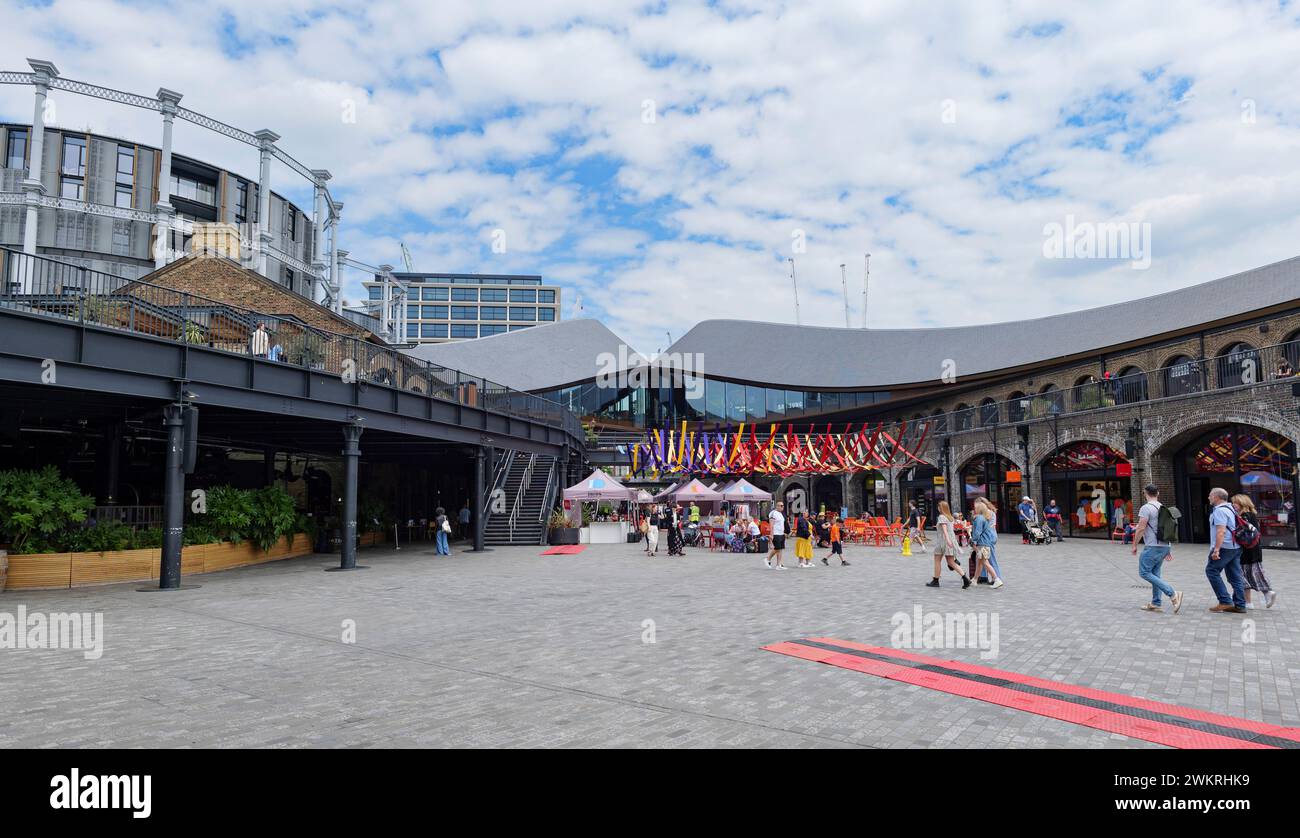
{"x":412,"y":312}
{"x":1239,"y":365}
{"x":715,"y":400}
{"x":433,"y":293}
{"x":521,"y":313}
{"x":793,"y":402}
{"x":517,"y":328}
{"x":125,"y":166}
{"x":433,"y":330}
{"x":546,"y":296}
{"x":122,"y":196}
{"x":464,"y":295}
{"x":376,"y":293}
{"x":1182,"y":375}
{"x":16,"y":152}
{"x":484,"y":331}
{"x":736,"y":402}
{"x":988,"y":413}
{"x":547,"y":314}
{"x":72,"y":188}
{"x":462,"y":331}
{"x":241,"y":202}
{"x":464,"y":313}
{"x":523,"y":295}
{"x":755,"y":403}
{"x":74,"y":156}
{"x":412,"y":330}
{"x":192,"y":190}
{"x":286,"y":277}
{"x":492,"y":313}
{"x":121,"y":238}
{"x":775,"y":404}
{"x":812,"y":402}
{"x":434,"y":312}
{"x":492,"y":295}
{"x":293,"y":224}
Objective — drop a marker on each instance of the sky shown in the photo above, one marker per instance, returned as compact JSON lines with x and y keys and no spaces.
{"x":663,"y":162}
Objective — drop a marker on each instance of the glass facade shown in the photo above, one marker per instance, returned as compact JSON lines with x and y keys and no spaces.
{"x":460,"y":315}
{"x":1243,"y":460}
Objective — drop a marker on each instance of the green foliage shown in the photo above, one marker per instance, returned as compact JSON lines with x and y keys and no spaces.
{"x":193,"y":333}
{"x":149,"y":538}
{"x":558,"y":520}
{"x":230,"y":513}
{"x":38,"y":508}
{"x":103,"y":537}
{"x":373,"y":515}
{"x":195,"y":533}
{"x":263,"y":516}
{"x":273,"y":518}
{"x":303,"y":347}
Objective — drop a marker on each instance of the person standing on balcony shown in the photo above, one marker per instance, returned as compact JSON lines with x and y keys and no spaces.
{"x":260,"y":342}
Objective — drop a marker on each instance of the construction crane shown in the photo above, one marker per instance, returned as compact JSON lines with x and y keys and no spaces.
{"x":795,"y":283}
{"x":844,"y":282}
{"x":406,"y":258}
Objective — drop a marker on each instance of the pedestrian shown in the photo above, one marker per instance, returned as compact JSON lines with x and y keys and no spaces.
{"x":1225,"y":555}
{"x":1052,"y":514}
{"x":675,"y":546}
{"x":984,"y":536}
{"x":1155,"y":551}
{"x":776,"y":519}
{"x":803,"y":550}
{"x":837,"y":545}
{"x":259,"y":343}
{"x":945,"y":547}
{"x":652,"y":533}
{"x":912,"y":527}
{"x":444,"y":528}
{"x":464,"y":520}
{"x":1028,"y":517}
{"x":1252,"y":558}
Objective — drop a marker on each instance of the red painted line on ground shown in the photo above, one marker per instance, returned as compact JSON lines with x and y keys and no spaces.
{"x":1112,"y":721}
{"x":565,"y":550}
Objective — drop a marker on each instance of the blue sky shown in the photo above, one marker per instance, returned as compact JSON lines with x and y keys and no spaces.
{"x":662,"y":161}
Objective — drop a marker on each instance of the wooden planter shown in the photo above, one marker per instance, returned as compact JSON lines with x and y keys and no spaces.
{"x":72,"y":570}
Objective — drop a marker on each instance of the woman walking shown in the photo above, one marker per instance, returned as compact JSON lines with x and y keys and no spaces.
{"x":675,"y":532}
{"x":652,"y":533}
{"x":803,"y":550}
{"x":984,"y":536}
{"x":1252,"y":558}
{"x":441,"y":547}
{"x":945,"y":547}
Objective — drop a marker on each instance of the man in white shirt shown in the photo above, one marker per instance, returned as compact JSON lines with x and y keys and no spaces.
{"x":777,"y":519}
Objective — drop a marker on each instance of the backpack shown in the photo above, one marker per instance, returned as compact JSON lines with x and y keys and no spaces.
{"x":1245,"y":533}
{"x":1167,"y":524}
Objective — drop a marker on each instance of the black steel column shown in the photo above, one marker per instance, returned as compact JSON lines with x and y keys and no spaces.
{"x":268,"y":467}
{"x":480,"y":497}
{"x":113,"y":462}
{"x":351,"y":454}
{"x":169,"y":574}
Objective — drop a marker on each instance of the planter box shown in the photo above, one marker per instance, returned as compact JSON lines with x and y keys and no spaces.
{"x":563,"y":535}
{"x":68,"y":570}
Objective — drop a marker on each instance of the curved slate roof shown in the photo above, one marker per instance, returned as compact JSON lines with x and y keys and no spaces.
{"x":537,"y":358}
{"x":559,"y":354}
{"x":781,"y":353}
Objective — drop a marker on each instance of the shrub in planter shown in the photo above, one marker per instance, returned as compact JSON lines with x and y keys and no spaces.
{"x":147,"y":538}
{"x":103,"y":537}
{"x":38,"y":508}
{"x":273,"y":517}
{"x":230,"y":512}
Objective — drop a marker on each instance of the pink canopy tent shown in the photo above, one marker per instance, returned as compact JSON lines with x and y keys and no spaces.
{"x":742,"y":491}
{"x":695,"y":491}
{"x":599,"y":486}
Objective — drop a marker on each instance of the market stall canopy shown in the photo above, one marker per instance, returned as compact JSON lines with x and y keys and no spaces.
{"x":695,"y":491}
{"x":745,"y":492}
{"x":599,"y":486}
{"x":642,"y":496}
{"x":667,"y":493}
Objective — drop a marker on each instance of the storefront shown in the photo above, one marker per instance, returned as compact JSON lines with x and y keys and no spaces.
{"x":997,"y":479}
{"x":828,"y":493}
{"x":875,"y":494}
{"x":1245,"y":459}
{"x":1091,"y":483}
{"x":923,"y":485}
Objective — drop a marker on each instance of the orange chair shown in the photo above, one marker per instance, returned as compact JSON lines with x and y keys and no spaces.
{"x":1118,"y":532}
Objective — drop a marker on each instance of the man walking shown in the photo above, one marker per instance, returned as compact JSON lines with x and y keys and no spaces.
{"x":1028,"y":517}
{"x":776,"y":518}
{"x":1225,"y":555}
{"x":464,"y":520}
{"x":1154,"y":552}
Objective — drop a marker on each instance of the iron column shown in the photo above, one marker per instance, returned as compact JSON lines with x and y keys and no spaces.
{"x":169,"y":574}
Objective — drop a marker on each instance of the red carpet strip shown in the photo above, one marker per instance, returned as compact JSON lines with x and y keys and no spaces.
{"x":1151,"y":721}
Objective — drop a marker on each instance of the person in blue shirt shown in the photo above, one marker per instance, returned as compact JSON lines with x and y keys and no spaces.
{"x":1225,"y":555}
{"x":1028,"y":516}
{"x":984,"y":536}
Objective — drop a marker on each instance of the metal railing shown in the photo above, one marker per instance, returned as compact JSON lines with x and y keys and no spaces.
{"x":548,"y":498}
{"x":519,"y":494}
{"x":52,"y":288}
{"x":1240,"y":368}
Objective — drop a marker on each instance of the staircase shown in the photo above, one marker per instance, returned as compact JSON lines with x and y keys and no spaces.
{"x":527,"y":479}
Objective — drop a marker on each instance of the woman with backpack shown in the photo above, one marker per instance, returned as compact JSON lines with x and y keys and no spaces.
{"x":1252,"y":558}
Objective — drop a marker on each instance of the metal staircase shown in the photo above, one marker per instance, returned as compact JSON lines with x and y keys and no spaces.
{"x":528,"y":489}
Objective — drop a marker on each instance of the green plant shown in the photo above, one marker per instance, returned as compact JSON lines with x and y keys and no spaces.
{"x":558,"y":520}
{"x":194,"y":534}
{"x":193,"y":333}
{"x":103,"y":537}
{"x":96,"y":309}
{"x":147,"y":538}
{"x":230,"y":512}
{"x":273,"y":516}
{"x":303,"y":348}
{"x":38,"y":507}
{"x":372,"y":515}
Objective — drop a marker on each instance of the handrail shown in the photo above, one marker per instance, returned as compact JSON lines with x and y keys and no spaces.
{"x":548,"y":499}
{"x":52,"y":288}
{"x":499,"y":470}
{"x":519,"y":494}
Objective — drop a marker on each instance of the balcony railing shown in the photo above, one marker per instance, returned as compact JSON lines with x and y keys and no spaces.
{"x":52,"y":288}
{"x":1269,"y":364}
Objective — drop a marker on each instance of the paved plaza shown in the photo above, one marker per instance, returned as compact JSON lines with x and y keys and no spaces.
{"x":512,"y":649}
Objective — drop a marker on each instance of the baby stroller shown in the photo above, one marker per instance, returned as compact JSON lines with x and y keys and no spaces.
{"x":691,"y":534}
{"x":1040,"y":533}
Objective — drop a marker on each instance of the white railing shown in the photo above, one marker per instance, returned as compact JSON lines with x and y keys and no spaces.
{"x":519,"y":494}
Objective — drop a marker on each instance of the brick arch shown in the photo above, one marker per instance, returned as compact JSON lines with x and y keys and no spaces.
{"x":1042,"y":450}
{"x":962,"y":457}
{"x":1224,"y":342}
{"x":1186,"y":427}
